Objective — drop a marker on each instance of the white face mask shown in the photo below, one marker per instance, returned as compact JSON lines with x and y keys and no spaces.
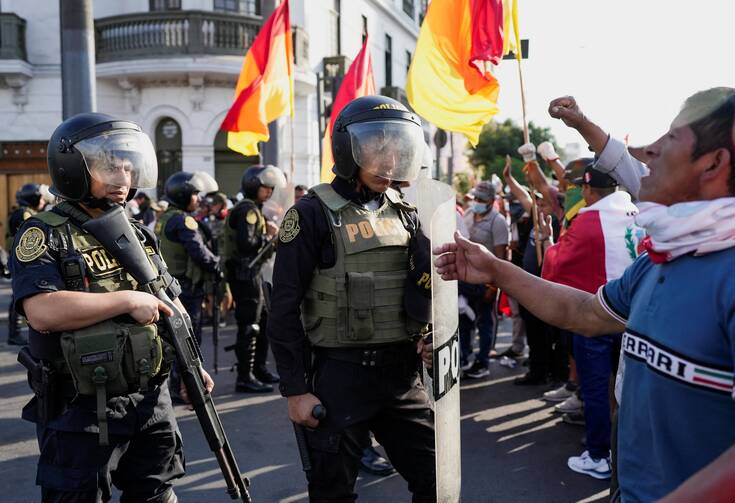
{"x":479,"y":207}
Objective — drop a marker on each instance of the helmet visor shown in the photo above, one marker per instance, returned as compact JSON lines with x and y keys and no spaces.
{"x":272,"y":177}
{"x":123,"y":158}
{"x":203,"y":182}
{"x":391,"y":149}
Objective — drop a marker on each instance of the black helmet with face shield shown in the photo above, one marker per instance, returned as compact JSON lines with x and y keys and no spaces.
{"x":381,"y":136}
{"x":98,"y":146}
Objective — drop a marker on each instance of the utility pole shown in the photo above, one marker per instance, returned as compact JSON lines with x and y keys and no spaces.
{"x":78,"y":85}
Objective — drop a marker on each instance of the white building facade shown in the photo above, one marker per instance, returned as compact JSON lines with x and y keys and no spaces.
{"x":171,"y":66}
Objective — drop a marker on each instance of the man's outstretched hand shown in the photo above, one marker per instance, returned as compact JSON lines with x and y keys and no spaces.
{"x":464,"y":260}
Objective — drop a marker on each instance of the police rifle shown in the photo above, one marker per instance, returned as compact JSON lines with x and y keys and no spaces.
{"x":261,"y":253}
{"x":114,"y":232}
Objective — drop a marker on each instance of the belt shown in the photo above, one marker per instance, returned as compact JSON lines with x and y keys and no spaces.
{"x":370,"y":357}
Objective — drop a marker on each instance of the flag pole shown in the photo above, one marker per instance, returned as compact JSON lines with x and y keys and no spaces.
{"x":527,"y":139}
{"x":293,"y":151}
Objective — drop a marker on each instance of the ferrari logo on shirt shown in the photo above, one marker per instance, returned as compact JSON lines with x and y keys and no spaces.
{"x":32,"y":244}
{"x":190,"y":223}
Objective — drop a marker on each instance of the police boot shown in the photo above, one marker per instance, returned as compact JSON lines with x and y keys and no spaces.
{"x":15,"y":327}
{"x":260,"y":370}
{"x":245,"y":352}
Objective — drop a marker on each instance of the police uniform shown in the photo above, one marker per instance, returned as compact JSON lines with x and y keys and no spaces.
{"x":339,"y":330}
{"x":144,"y":455}
{"x":15,"y":220}
{"x":244,"y":236}
{"x":188,"y":258}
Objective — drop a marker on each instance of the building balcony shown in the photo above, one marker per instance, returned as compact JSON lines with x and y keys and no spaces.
{"x":15,"y":71}
{"x":12,"y":37}
{"x":173,"y":42}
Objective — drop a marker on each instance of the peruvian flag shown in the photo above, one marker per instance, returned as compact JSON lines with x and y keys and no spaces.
{"x":600,"y":244}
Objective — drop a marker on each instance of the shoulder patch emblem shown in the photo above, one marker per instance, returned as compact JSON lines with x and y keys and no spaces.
{"x":27,"y":215}
{"x":251,"y":217}
{"x":32,"y":244}
{"x":190,"y":223}
{"x":289,"y":227}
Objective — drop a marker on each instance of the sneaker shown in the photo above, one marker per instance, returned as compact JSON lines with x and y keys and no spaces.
{"x":597,"y":468}
{"x":477,"y":371}
{"x":512,"y":354}
{"x":575,"y":418}
{"x":571,"y":404}
{"x":466,"y":365}
{"x":558,"y":395}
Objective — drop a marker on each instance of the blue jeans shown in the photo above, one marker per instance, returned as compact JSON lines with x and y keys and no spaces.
{"x":485,"y":325}
{"x":594,"y":356}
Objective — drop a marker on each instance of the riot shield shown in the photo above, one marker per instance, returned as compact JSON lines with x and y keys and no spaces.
{"x":436,"y":205}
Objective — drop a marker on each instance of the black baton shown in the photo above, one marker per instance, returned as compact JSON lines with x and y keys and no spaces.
{"x":319,"y":413}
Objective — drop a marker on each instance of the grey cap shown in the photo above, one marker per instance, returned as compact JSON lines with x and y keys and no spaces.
{"x":483,"y":191}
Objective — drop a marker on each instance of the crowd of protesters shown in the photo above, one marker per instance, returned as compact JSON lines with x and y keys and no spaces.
{"x":648,"y":244}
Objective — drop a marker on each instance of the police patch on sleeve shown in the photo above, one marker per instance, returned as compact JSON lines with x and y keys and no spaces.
{"x":27,"y":215}
{"x":251,"y":217}
{"x":190,"y":223}
{"x":31,"y":245}
{"x":289,"y":227}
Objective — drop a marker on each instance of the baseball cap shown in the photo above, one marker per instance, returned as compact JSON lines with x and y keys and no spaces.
{"x":417,"y":289}
{"x":595,"y":178}
{"x":483,"y":191}
{"x":574,"y":170}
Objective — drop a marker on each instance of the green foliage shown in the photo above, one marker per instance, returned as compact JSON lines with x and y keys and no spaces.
{"x":499,"y":139}
{"x":462,"y":183}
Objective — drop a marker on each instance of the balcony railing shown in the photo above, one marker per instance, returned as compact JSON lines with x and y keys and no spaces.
{"x":12,"y":37}
{"x":173,"y":33}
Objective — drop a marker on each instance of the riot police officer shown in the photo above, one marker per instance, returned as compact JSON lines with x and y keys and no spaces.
{"x":247,"y":232}
{"x":338,"y":327}
{"x":96,"y":361}
{"x":30,"y":201}
{"x":183,"y":243}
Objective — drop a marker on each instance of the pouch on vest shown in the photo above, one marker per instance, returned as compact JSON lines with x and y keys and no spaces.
{"x":360,"y":305}
{"x":111,"y":359}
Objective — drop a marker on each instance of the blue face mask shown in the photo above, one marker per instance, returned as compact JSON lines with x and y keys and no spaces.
{"x":479,"y":207}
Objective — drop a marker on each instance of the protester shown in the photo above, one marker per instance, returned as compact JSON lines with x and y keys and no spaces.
{"x":542,"y":362}
{"x":486,"y":226}
{"x":677,"y":409}
{"x":598,"y":246}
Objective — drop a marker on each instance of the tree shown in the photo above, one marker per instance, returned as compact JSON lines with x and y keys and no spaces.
{"x":499,"y":139}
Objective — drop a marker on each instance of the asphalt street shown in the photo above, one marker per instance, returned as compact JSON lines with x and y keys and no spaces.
{"x":514,"y":448}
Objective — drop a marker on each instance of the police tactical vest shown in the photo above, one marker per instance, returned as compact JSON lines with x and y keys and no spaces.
{"x":180,"y":264}
{"x":359,"y":301}
{"x":114,"y":357}
{"x":230,"y":235}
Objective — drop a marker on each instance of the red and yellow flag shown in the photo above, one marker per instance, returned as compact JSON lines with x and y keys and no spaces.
{"x":264,"y":90}
{"x":450,"y":81}
{"x":358,"y":81}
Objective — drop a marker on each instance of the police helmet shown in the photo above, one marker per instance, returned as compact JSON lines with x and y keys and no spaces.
{"x":180,"y":186}
{"x":29,"y":195}
{"x":93,"y":145}
{"x":379,"y":135}
{"x":260,"y":176}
